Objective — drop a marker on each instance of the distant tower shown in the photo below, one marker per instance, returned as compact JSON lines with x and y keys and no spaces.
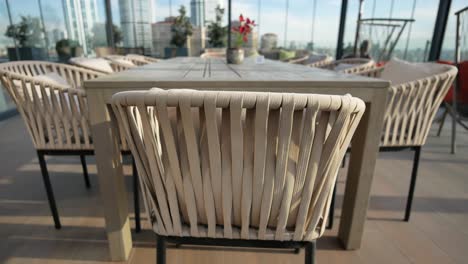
{"x":203,"y":12}
{"x":80,"y":17}
{"x":135,"y":20}
{"x":269,"y":41}
{"x":197,"y":12}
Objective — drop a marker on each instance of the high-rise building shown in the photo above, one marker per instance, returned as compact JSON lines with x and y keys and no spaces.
{"x":135,"y":20}
{"x":80,"y":17}
{"x":203,"y":12}
{"x":162,"y":36}
{"x":269,"y":41}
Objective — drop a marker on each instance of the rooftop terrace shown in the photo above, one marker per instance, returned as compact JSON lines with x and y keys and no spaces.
{"x":437,"y":232}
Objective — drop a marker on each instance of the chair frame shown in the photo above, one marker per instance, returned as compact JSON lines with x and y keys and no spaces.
{"x":362,"y":65}
{"x":24,"y":71}
{"x":82,"y":154}
{"x":414,"y":175}
{"x":320,"y":63}
{"x":391,"y":143}
{"x":161,"y":245}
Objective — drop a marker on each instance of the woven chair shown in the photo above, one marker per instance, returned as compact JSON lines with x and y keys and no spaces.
{"x":239,"y":169}
{"x":213,"y":54}
{"x":411,"y":108}
{"x":100,"y":64}
{"x":137,"y":59}
{"x":318,"y":61}
{"x":350,"y":66}
{"x":54,"y":107}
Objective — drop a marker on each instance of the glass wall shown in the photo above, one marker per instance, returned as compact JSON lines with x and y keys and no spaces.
{"x":47,"y":22}
{"x":448,"y":47}
{"x":298,"y":24}
{"x":414,"y":42}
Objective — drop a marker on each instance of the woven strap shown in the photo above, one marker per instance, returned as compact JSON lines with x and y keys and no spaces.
{"x":237,"y":164}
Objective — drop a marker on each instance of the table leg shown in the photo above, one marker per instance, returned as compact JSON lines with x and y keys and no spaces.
{"x":110,"y":176}
{"x":364,"y":151}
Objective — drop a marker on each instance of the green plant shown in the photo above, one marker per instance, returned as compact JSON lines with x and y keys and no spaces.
{"x":118,"y":37}
{"x":63,"y":43}
{"x":181,"y":29}
{"x":28,"y":32}
{"x":66,"y":49}
{"x":216,"y":32}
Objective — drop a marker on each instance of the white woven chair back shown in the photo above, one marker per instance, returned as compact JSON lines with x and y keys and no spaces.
{"x":412,"y":106}
{"x":50,"y":100}
{"x":350,"y":65}
{"x":237,"y":164}
{"x":101,"y":65}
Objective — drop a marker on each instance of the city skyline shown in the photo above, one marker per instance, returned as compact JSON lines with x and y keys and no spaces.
{"x":272,"y":18}
{"x":80,"y":17}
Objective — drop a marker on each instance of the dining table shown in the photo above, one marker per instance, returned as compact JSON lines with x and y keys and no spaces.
{"x":252,"y":75}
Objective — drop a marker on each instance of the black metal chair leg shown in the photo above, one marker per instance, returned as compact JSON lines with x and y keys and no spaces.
{"x":85,"y":171}
{"x":160,"y":250}
{"x":48,"y":187}
{"x":442,"y":121}
{"x":331,"y":213}
{"x":136,"y":197}
{"x":310,"y":253}
{"x":414,"y":173}
{"x":343,"y":163}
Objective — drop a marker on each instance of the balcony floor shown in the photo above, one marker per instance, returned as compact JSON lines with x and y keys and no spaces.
{"x":437,"y":232}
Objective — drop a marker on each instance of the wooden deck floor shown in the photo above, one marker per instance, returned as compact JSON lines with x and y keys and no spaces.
{"x":437,"y":232}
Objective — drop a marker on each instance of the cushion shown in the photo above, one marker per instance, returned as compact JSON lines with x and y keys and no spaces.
{"x":124,"y":62}
{"x":286,"y":55}
{"x":94,"y":63}
{"x":53,"y":78}
{"x":399,"y":71}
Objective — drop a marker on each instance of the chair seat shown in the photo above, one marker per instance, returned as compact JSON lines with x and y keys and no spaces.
{"x":236,"y":233}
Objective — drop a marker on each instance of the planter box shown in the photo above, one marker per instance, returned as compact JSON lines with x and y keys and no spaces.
{"x":67,"y":53}
{"x":175,"y":52}
{"x":27,"y":54}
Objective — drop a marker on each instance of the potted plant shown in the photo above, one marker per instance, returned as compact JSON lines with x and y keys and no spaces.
{"x":181,"y":29}
{"x":235,"y":54}
{"x":28,"y":35}
{"x":67,"y":48}
{"x":216,"y":32}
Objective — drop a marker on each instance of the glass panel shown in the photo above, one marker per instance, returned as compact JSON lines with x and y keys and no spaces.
{"x":5,"y":42}
{"x":54,"y":23}
{"x":27,"y":30}
{"x":85,"y":22}
{"x":135,"y":21}
{"x":414,"y":42}
{"x":448,"y":47}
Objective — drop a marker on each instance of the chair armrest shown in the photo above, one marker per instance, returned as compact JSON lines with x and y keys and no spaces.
{"x":374,"y":73}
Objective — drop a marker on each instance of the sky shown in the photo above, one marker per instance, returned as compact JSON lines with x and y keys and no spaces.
{"x":273,"y":14}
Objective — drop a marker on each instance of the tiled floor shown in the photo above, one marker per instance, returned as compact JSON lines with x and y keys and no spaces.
{"x":437,"y":232}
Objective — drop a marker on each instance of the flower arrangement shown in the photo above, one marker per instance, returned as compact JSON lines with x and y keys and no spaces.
{"x":243,"y":30}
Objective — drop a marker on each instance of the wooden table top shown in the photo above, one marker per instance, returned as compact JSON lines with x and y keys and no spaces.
{"x":214,"y":72}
